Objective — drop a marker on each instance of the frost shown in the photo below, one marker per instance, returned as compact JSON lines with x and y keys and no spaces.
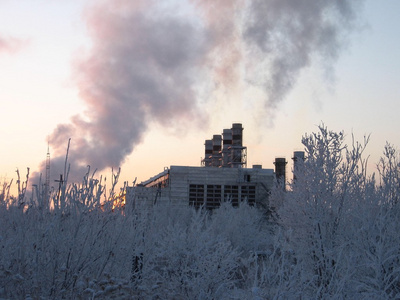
{"x":89,"y":291}
{"x":333,"y":235}
{"x":18,"y":277}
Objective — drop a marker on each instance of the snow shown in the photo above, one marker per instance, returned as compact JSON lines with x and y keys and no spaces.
{"x":333,"y":235}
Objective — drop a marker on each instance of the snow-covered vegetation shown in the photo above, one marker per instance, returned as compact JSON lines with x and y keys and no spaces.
{"x":334,"y":234}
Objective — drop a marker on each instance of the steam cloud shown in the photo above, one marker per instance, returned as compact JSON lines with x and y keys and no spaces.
{"x":149,"y":60}
{"x":290,"y":33}
{"x":10,"y":44}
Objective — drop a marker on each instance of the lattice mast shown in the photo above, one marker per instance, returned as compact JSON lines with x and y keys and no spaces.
{"x":47,"y":183}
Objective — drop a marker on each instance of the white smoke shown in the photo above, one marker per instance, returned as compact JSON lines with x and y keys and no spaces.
{"x":148,"y":61}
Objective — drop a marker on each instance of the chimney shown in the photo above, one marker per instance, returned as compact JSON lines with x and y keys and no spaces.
{"x":208,"y":153}
{"x":237,"y":149}
{"x":227,"y":144}
{"x":280,"y":171}
{"x":216,"y":151}
{"x":298,"y":160}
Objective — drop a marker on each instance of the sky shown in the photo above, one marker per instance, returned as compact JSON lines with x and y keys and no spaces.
{"x":141,"y":84}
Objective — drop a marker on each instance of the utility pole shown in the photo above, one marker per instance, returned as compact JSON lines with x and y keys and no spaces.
{"x":60,"y":183}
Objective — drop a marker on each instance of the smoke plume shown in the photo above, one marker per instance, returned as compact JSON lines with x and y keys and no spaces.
{"x":142,"y":68}
{"x":150,"y":59}
{"x":10,"y":44}
{"x":285,"y":36}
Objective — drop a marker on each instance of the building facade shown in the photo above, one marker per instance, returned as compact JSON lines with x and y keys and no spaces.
{"x":206,"y":187}
{"x":223,"y":176}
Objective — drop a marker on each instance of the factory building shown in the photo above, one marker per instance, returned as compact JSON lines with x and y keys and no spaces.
{"x":222,"y":176}
{"x":207,"y":187}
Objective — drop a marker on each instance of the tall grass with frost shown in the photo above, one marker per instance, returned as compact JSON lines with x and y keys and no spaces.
{"x":332,"y":235}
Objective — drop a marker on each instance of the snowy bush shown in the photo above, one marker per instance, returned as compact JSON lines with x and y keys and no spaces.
{"x":333,"y":235}
{"x":341,"y":226}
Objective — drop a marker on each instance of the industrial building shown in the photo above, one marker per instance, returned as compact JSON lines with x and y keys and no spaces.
{"x":222,"y":176}
{"x":208,"y":187}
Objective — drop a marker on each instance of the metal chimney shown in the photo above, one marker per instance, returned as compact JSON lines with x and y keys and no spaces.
{"x":227,"y":144}
{"x":216,"y":152}
{"x":280,"y":170}
{"x":298,"y":159}
{"x":237,"y":134}
{"x":238,"y":155}
{"x":208,"y":153}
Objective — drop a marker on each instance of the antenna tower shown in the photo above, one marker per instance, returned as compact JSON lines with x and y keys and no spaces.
{"x":47,"y":184}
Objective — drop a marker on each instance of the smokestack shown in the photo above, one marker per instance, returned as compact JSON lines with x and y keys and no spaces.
{"x":298,"y":159}
{"x":237,"y":134}
{"x":280,"y":170}
{"x":227,"y":144}
{"x":208,"y":153}
{"x":238,"y":157}
{"x":216,"y":153}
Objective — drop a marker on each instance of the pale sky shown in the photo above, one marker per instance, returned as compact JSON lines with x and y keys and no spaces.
{"x":46,"y":46}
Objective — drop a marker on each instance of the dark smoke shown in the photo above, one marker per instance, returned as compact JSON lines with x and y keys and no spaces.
{"x":147,"y":64}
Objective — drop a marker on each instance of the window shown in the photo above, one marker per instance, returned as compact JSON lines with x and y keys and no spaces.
{"x":213,"y":196}
{"x":246,"y":178}
{"x":248,"y":193}
{"x":231,"y":193}
{"x":196,"y":195}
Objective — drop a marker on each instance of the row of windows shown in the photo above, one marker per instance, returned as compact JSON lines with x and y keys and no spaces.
{"x":211,"y":195}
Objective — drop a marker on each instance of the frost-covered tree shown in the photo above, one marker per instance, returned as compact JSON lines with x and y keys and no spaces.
{"x":187,"y":260}
{"x":340,"y":226}
{"x":334,"y":234}
{"x":376,"y":237}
